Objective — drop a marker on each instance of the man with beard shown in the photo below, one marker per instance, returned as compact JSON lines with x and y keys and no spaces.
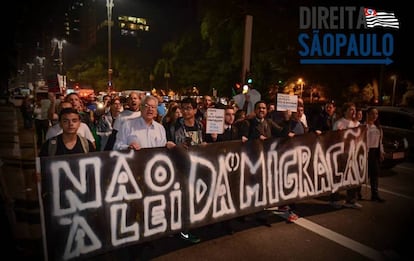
{"x":261,"y":127}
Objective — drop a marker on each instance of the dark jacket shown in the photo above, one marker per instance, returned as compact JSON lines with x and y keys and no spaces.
{"x":227,"y":135}
{"x":253,"y":128}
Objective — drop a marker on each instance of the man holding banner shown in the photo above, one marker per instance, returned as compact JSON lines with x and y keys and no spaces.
{"x":144,"y":131}
{"x":188,"y":131}
{"x":347,"y":122}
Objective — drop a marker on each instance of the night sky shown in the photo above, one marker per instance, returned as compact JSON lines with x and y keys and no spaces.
{"x":26,"y":20}
{"x":32,"y":17}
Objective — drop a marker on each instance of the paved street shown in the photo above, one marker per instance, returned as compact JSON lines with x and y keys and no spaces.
{"x":19,"y":203}
{"x":380,"y":231}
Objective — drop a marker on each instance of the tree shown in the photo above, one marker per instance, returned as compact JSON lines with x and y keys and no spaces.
{"x":164,"y":68}
{"x":208,"y":56}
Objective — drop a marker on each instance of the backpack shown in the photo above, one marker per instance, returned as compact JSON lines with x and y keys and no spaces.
{"x":53,"y":145}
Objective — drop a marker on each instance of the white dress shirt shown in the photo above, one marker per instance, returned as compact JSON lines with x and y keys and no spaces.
{"x":137,"y":130}
{"x":125,"y":115}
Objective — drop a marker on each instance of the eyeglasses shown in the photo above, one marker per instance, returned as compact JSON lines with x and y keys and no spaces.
{"x":147,"y":106}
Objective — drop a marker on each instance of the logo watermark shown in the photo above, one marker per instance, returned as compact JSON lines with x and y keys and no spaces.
{"x":345,"y":35}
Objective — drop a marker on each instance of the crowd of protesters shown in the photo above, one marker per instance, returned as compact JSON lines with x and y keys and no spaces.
{"x":70,"y":124}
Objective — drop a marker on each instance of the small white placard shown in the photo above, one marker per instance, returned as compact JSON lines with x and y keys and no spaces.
{"x":215,"y":121}
{"x":287,"y":102}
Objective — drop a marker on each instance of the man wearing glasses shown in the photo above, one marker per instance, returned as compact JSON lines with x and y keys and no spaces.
{"x":144,"y":131}
{"x":188,"y":131}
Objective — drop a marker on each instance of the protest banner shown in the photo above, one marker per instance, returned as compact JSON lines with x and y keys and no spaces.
{"x":101,"y":201}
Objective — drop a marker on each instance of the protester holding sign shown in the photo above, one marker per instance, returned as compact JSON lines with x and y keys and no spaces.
{"x":230,"y":132}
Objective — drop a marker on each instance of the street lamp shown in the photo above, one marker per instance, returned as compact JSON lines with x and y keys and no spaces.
{"x":394,"y":78}
{"x":59,"y":44}
{"x":109,"y":6}
{"x":40,"y":61}
{"x":301,"y":83}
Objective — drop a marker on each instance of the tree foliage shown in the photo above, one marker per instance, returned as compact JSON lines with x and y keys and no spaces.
{"x":208,"y":56}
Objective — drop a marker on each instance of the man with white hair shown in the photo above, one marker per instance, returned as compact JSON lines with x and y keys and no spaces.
{"x":144,"y":131}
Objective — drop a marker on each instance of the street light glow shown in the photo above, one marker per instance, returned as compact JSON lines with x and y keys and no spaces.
{"x":301,"y":83}
{"x":109,"y":6}
{"x":59,"y":44}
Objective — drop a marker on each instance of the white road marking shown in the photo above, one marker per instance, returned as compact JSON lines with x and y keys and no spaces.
{"x":340,"y":239}
{"x":408,"y":167}
{"x":396,"y":194}
{"x":343,"y":240}
{"x":393,"y":193}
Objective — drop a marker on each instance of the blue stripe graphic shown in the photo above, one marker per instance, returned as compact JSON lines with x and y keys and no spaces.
{"x":385,"y":61}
